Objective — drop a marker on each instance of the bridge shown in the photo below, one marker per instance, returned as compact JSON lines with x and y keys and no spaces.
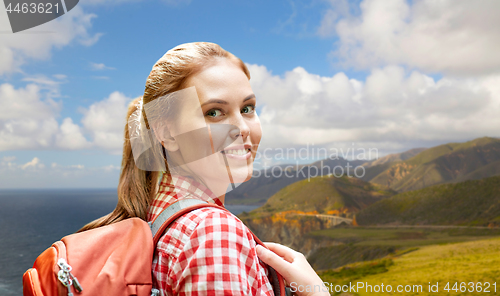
{"x":331,"y":219}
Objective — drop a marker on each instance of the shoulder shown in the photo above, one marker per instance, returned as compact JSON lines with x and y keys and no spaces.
{"x":205,"y":224}
{"x":207,"y":251}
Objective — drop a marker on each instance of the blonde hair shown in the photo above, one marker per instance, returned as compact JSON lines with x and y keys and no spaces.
{"x":137,"y":187}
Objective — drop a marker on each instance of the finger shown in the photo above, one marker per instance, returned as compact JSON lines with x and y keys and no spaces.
{"x":273,"y":260}
{"x":283,"y":251}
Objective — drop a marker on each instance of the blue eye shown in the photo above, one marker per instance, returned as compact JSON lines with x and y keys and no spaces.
{"x":248,"y":109}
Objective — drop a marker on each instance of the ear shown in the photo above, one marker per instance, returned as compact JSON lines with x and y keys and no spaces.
{"x":163,"y":136}
{"x":170,"y":144}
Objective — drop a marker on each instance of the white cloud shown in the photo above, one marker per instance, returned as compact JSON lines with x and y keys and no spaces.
{"x":46,"y":84}
{"x":110,"y":168}
{"x":456,"y":37}
{"x":70,"y":136}
{"x":34,"y":163}
{"x":8,"y":158}
{"x":29,"y":120}
{"x":105,"y":120}
{"x":14,"y":175}
{"x":37,"y":43}
{"x":25,"y":103}
{"x":390,"y":107}
{"x":59,"y":76}
{"x":100,"y":66}
{"x":339,"y":9}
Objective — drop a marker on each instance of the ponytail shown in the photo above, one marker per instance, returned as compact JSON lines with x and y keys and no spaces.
{"x":136,"y":188}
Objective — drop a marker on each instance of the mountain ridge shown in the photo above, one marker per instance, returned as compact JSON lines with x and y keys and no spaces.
{"x":445,"y":163}
{"x":469,"y":203}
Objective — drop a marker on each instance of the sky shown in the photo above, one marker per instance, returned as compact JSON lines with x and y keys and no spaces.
{"x":346,"y":76}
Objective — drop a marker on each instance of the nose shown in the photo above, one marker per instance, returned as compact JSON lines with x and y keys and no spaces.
{"x":241,"y":128}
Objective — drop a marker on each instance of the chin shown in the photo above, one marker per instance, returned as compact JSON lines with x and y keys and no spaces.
{"x":242,"y":180}
{"x":241,"y":175}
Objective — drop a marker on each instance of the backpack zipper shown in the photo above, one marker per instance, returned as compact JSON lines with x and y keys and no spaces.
{"x":67,"y":278}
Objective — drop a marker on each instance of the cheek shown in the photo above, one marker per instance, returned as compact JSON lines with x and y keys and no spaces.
{"x":187,"y":122}
{"x":255,"y":131}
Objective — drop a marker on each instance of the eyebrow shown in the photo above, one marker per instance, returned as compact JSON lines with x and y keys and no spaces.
{"x":219,"y":101}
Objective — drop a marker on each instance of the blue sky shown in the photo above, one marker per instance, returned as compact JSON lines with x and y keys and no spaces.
{"x":391,"y":75}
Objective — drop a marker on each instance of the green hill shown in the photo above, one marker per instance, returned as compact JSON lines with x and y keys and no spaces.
{"x":467,"y":262}
{"x":451,"y":162}
{"x":473,"y":202}
{"x":267,"y":182}
{"x":394,"y":157}
{"x":323,"y":194}
{"x":357,"y":243}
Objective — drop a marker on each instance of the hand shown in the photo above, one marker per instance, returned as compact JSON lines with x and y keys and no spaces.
{"x":293,"y":266}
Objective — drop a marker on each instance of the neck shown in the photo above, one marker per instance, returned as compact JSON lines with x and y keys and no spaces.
{"x":217,"y":187}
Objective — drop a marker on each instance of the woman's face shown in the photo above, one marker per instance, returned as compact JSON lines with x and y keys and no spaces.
{"x":226,"y":104}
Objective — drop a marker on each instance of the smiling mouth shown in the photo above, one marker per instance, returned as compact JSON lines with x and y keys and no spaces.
{"x":236,"y":151}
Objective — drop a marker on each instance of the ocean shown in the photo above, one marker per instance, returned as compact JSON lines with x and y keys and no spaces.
{"x":31,"y":220}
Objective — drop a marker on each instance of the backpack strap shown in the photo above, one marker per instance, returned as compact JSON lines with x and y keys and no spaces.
{"x":278,"y":282}
{"x":172,"y":212}
{"x":183,"y":206}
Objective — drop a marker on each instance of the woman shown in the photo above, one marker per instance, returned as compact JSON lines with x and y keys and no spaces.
{"x":194,"y":134}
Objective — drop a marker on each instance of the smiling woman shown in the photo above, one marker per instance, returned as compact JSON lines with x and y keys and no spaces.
{"x":222,"y":91}
{"x":194,"y":135}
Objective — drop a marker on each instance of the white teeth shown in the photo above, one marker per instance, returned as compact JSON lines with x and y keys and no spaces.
{"x":236,"y":151}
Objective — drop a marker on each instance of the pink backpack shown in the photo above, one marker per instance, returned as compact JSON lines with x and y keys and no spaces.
{"x":111,"y":260}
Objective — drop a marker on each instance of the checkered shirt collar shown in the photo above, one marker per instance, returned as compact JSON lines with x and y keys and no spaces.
{"x":175,"y":187}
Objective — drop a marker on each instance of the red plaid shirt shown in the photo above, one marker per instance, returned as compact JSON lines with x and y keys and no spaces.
{"x":207,"y":251}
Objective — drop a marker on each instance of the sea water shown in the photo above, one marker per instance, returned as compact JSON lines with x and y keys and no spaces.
{"x":31,"y":220}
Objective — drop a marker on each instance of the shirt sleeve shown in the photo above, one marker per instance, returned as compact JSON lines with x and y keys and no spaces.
{"x":218,"y":257}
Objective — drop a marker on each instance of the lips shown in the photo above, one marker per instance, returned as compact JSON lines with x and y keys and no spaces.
{"x":238,"y":151}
